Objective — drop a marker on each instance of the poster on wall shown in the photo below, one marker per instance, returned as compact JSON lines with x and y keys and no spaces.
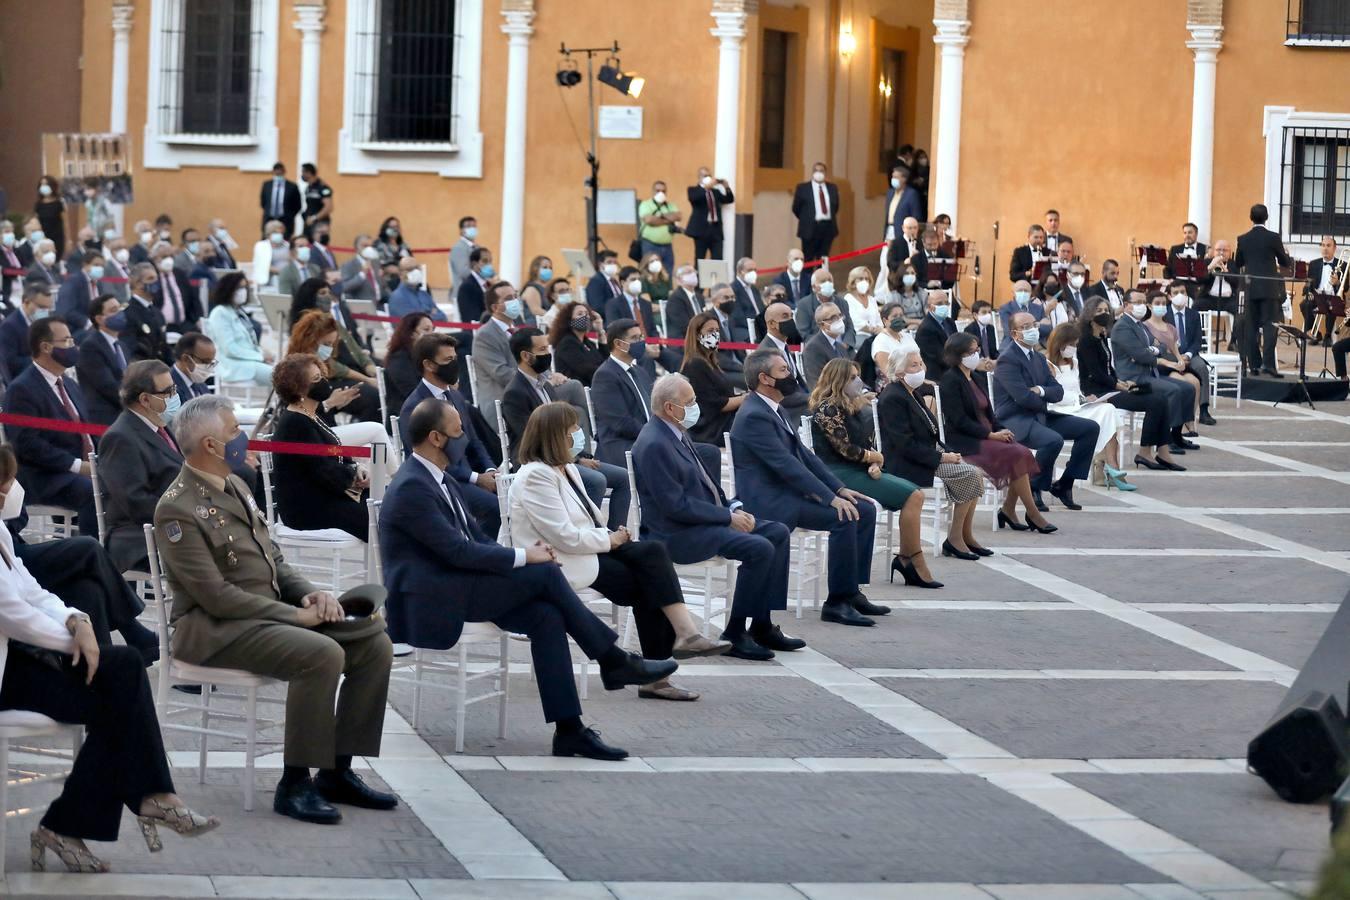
{"x":89,"y":162}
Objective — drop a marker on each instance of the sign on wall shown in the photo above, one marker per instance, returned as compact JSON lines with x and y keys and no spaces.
{"x":621,"y":122}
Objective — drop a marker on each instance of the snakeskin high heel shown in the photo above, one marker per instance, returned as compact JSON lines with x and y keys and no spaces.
{"x":76,"y":858}
{"x":178,"y":818}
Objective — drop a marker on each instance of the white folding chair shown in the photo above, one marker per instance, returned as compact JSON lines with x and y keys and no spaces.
{"x":1225,"y":369}
{"x":422,"y":663}
{"x":244,"y":686}
{"x":590,"y":411}
{"x":935,"y":502}
{"x":384,"y":396}
{"x":24,"y":725}
{"x":396,"y":438}
{"x":501,"y":436}
{"x":466,"y":365}
{"x":323,"y":554}
{"x":886,"y":532}
{"x":993,"y":496}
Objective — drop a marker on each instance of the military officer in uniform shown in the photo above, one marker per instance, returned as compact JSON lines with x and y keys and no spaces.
{"x":238,"y":605}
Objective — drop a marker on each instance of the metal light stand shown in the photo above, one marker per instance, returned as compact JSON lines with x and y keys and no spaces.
{"x":592,"y":211}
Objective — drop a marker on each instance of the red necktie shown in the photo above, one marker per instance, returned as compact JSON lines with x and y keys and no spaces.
{"x":712,"y":205}
{"x":824,"y":204}
{"x":175,"y":298}
{"x":167,"y":438}
{"x":86,"y":444}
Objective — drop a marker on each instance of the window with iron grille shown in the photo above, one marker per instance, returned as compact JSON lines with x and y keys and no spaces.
{"x":773,"y":97}
{"x":1315,"y":181}
{"x":1318,"y":20}
{"x":209,"y":67}
{"x":406,"y":74}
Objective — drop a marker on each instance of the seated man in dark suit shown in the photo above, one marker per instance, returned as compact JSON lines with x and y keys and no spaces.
{"x":436,"y":356}
{"x":145,"y":334}
{"x":531,"y":388}
{"x":14,"y":353}
{"x":633,"y":306}
{"x":1135,"y":351}
{"x":780,"y":333}
{"x":828,"y":343}
{"x":194,"y":364}
{"x":1023,"y":391}
{"x":604,"y":285}
{"x":683,"y":507}
{"x":749,"y":303}
{"x":79,"y":288}
{"x":779,"y":479}
{"x":620,"y":393}
{"x":138,"y":459}
{"x":934,"y":329}
{"x":53,"y":465}
{"x":1022,"y":302}
{"x":683,"y":303}
{"x":442,"y":571}
{"x":795,"y":279}
{"x":1190,"y":339}
{"x":102,"y":360}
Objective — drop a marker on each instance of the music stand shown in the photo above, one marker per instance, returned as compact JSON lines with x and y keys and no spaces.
{"x":1188,"y":268}
{"x":1328,"y":309}
{"x":1300,"y":339}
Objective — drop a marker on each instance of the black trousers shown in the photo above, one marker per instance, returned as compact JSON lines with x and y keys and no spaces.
{"x":1338,"y":351}
{"x":816,"y":247}
{"x":639,"y":574}
{"x":1155,"y":431}
{"x":761,"y":580}
{"x":709,"y":246}
{"x":1048,"y":439}
{"x":122,"y":759}
{"x":537,"y":601}
{"x":366,"y":405}
{"x":1262,"y":316}
{"x":84,"y":576}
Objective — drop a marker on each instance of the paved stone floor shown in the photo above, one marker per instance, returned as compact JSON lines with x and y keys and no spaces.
{"x":1068,"y":719}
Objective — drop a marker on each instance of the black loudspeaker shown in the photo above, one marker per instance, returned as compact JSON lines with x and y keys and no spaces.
{"x":1304,"y":754}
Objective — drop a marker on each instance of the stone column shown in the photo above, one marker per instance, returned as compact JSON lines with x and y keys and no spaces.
{"x":309,"y":22}
{"x":951,"y":35}
{"x":121,"y":75}
{"x":1206,"y":43}
{"x":731,"y":17}
{"x":518,"y":16}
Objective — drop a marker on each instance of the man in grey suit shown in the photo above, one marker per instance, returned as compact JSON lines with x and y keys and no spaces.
{"x":683,"y":303}
{"x":116,"y":269}
{"x":459,"y":254}
{"x":827,"y":344}
{"x":493,"y":365}
{"x":300,"y":267}
{"x":1135,"y":351}
{"x":359,"y":275}
{"x":822,"y":291}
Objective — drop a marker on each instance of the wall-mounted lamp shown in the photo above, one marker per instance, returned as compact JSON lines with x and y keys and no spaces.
{"x":847,"y":42}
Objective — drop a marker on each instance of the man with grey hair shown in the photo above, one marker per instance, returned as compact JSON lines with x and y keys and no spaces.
{"x":822,"y":291}
{"x":749,"y":304}
{"x":684,"y":507}
{"x":934,"y":329}
{"x":682,"y":304}
{"x":237,"y":604}
{"x":44,"y":265}
{"x":827,"y":344}
{"x":143,"y":338}
{"x":360,"y":275}
{"x":795,"y":279}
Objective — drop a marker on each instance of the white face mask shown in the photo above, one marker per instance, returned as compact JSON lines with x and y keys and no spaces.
{"x":818,"y":177}
{"x":654,"y":266}
{"x":166,"y":264}
{"x":659,"y":197}
{"x":710,"y":340}
{"x":861,"y":287}
{"x":48,"y":258}
{"x":610,"y":269}
{"x":1070,"y":352}
{"x":1139,"y":310}
{"x":1179,"y":301}
{"x":706,"y":181}
{"x":837,"y":327}
{"x":750,"y":277}
{"x":302,"y":254}
{"x":146,"y":237}
{"x":914,"y":379}
{"x":971,"y":361}
{"x":369,"y":253}
{"x":241,"y":297}
{"x":13,"y":507}
{"x":985,"y":318}
{"x":414,"y":276}
{"x":908,"y":279}
{"x":201,"y":372}
{"x":633,"y":287}
{"x":562,"y":300}
{"x":122,"y":256}
{"x":45,"y":190}
{"x":690,"y":280}
{"x":795,"y":267}
{"x":1075,"y":281}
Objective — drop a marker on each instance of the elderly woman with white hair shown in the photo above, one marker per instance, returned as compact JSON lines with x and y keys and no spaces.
{"x":909,"y":440}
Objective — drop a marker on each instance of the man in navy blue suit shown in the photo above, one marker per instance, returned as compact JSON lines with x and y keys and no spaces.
{"x":37,"y":303}
{"x":632,"y":305}
{"x":442,"y":571}
{"x":604,"y":285}
{"x":1190,"y":341}
{"x":79,"y":288}
{"x":436,"y":356}
{"x":1023,"y":391}
{"x":684,"y":508}
{"x":194,"y":364}
{"x":53,"y":465}
{"x":620,"y":393}
{"x":777,"y":478}
{"x":102,"y":360}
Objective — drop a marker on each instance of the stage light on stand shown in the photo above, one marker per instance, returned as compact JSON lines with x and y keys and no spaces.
{"x":568,"y":73}
{"x":624,"y":82}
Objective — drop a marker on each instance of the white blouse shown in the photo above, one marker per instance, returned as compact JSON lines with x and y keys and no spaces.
{"x":863,"y":317}
{"x":28,"y":612}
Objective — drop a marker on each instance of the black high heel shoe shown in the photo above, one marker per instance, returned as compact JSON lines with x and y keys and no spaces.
{"x":910,"y":573}
{"x":1007,"y":521}
{"x":1141,"y":460}
{"x":1170,"y":466}
{"x":979,"y":551}
{"x":1047,"y":528}
{"x":949,"y":550}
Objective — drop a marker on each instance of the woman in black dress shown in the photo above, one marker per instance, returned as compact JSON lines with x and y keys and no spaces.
{"x":400,"y":374}
{"x":313,"y":492}
{"x":574,"y":354}
{"x":51,"y":212}
{"x":717,"y":398}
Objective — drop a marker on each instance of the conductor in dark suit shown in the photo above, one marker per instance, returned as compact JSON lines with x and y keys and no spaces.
{"x":53,"y":465}
{"x":815,"y":203}
{"x":934,"y":329}
{"x":102,"y":360}
{"x":280,"y":199}
{"x":777,"y":478}
{"x":683,"y":507}
{"x":1260,"y":253}
{"x":442,"y":571}
{"x":706,"y":200}
{"x":620,"y":394}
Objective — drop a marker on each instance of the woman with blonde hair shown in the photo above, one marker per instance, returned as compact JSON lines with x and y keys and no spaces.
{"x":842,"y":438}
{"x":655,"y":279}
{"x":1061,"y":351}
{"x":535,"y":293}
{"x":862,"y":306}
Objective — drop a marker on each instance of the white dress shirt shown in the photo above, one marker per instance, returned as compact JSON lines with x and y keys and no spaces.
{"x":439,"y":475}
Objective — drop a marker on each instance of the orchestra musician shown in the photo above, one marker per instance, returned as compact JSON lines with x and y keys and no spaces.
{"x":1025,"y":257}
{"x":1189,"y":248}
{"x":1217,"y":290}
{"x":1326,"y":278}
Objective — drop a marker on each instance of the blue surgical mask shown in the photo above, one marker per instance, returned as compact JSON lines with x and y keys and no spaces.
{"x":513,"y":309}
{"x":895,"y":183}
{"x":471,"y":232}
{"x":826,"y":289}
{"x":116,"y":322}
{"x":637,"y":349}
{"x":40,"y":313}
{"x":691,"y":416}
{"x":323,"y":351}
{"x":171,"y":407}
{"x":941,"y":312}
{"x":545,"y":274}
{"x":578,"y":443}
{"x":37,"y":237}
{"x":192,"y":247}
{"x":1159,"y":312}
{"x":236,"y":448}
{"x":95,"y":272}
{"x":1022,"y":297}
{"x":1031,"y":335}
{"x":487,"y":271}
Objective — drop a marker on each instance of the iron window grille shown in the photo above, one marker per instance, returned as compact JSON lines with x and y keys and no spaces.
{"x":1315,"y":181}
{"x":406,"y":72}
{"x":209,"y":67}
{"x":1318,"y":20}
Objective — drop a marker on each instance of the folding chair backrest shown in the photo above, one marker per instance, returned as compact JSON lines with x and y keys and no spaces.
{"x":397,"y":438}
{"x":504,"y":483}
{"x":99,"y":512}
{"x":590,"y":411}
{"x":635,"y":503}
{"x":501,"y":435}
{"x":375,"y":566}
{"x":384,"y":396}
{"x":937,"y":414}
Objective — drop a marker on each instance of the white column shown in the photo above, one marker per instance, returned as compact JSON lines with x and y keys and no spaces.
{"x":510,"y":250}
{"x":1206,"y":42}
{"x":309,"y":22}
{"x":730,"y":31}
{"x":952,"y":35}
{"x":121,"y":75}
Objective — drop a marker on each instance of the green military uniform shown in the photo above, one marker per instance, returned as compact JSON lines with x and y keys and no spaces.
{"x":235,"y":605}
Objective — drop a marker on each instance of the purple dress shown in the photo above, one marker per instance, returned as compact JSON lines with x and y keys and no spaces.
{"x":1002,"y":462}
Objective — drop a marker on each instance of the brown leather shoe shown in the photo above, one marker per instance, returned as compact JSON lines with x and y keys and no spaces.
{"x":667,"y":691}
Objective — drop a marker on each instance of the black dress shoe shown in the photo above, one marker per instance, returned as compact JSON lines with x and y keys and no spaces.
{"x":772,"y":638}
{"x":587,"y":743}
{"x":743,"y":646}
{"x":302,"y":801}
{"x":949,"y":550}
{"x":865,"y":606}
{"x":841,"y":613}
{"x":1274,"y":373}
{"x":1176,"y":449}
{"x":1064,"y":494}
{"x":1207,"y":419}
{"x":347,"y":787}
{"x":1190,"y":434}
{"x":1170,"y":466}
{"x":1040,"y":504}
{"x":636,"y":670}
{"x":1188,"y":445}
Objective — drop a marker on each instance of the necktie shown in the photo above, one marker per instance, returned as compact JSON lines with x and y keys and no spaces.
{"x":278,"y":191}
{"x":637,"y":314}
{"x":167,"y":438}
{"x":175,"y":304}
{"x":632,"y":379}
{"x":1181,"y":328}
{"x":824,"y":204}
{"x":703,"y":473}
{"x":120,"y":356}
{"x":460,"y":518}
{"x":712,"y":206}
{"x":86,"y":444}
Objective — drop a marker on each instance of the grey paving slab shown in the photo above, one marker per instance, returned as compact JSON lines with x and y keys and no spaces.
{"x":1205,"y":579}
{"x":1073,"y":719}
{"x":1293,"y":430}
{"x":367,"y":844}
{"x":1209,"y":459}
{"x":1323,"y":532}
{"x":1194,"y":489}
{"x":737,"y":716}
{"x":961,"y":580}
{"x":1284,"y":637}
{"x":1140,"y":531}
{"x":1337,"y":458}
{"x":978,"y":639}
{"x":692,"y":827}
{"x":1234,"y":817}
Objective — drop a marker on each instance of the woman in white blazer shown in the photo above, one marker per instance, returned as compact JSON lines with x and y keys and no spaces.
{"x":50,"y":663}
{"x":548,"y":503}
{"x":270,"y":254}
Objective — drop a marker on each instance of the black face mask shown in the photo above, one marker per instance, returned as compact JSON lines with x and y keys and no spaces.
{"x":897,"y":325}
{"x":787,"y":385}
{"x":1051,"y":289}
{"x":542,"y":362}
{"x":320,"y":390}
{"x":324,"y":239}
{"x":790,"y":332}
{"x":727,"y":307}
{"x":1103,"y":319}
{"x":449,"y":372}
{"x":392,"y":282}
